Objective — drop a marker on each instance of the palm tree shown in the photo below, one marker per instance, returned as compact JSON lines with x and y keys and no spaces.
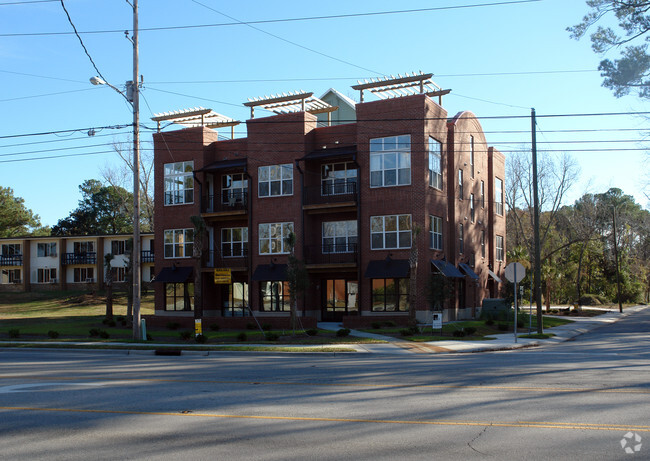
{"x":109,"y":284}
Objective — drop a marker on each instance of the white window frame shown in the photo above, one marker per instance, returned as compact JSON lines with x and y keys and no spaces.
{"x":118,"y":247}
{"x":11,"y":249}
{"x":339,"y":237}
{"x":178,"y":183}
{"x":498,"y":196}
{"x":228,"y":242}
{"x":45,"y":249}
{"x":435,"y":163}
{"x":499,"y":248}
{"x":278,"y":177}
{"x":178,"y":243}
{"x":390,"y":156}
{"x":435,"y":233}
{"x":83,"y":274}
{"x":399,"y":226}
{"x":46,"y":275}
{"x":236,"y":191}
{"x":272,"y":238}
{"x":460,"y":184}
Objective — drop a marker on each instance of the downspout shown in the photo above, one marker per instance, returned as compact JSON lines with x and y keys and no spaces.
{"x":302,"y":220}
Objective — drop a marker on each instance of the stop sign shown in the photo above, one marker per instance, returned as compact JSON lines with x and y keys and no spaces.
{"x":515,"y":272}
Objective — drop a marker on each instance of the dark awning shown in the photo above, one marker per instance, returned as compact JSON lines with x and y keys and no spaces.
{"x":265,"y":272}
{"x":331,"y":153}
{"x":447,"y":269}
{"x":468,"y":270}
{"x":225,"y":165}
{"x":387,"y":269}
{"x":494,"y":276}
{"x":174,"y":275}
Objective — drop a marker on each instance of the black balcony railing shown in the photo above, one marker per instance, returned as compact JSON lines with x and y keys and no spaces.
{"x":331,"y":192}
{"x":214,"y":258}
{"x":79,"y":258}
{"x":226,"y":201}
{"x":11,"y":260}
{"x":331,"y":254}
{"x":147,"y":256}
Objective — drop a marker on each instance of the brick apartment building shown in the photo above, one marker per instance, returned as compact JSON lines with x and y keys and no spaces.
{"x":353,"y":192}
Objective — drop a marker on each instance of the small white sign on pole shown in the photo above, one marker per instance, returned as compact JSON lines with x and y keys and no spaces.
{"x":515,"y":273}
{"x":437,"y":321}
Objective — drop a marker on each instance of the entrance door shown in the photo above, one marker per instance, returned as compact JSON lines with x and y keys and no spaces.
{"x":341,"y":298}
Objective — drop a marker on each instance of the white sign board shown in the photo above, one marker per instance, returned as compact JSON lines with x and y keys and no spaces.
{"x":515,"y":272}
{"x":437,"y":321}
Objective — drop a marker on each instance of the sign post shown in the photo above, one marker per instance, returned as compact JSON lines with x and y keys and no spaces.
{"x":515,"y":273}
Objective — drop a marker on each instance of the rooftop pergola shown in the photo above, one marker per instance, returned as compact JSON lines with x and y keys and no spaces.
{"x":395,"y":87}
{"x":197,"y":116}
{"x":290,"y":103}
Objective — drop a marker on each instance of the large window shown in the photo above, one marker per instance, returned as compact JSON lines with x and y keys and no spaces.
{"x":341,"y":295}
{"x":11,"y":249}
{"x":234,"y":188}
{"x":390,"y":232}
{"x":179,"y":243}
{"x":340,"y":237}
{"x":472,"y":211}
{"x":390,"y":295}
{"x":179,"y":296}
{"x":338,"y":178}
{"x":46,"y":276}
{"x":118,"y":247}
{"x":272,"y":238}
{"x":435,"y":234}
{"x":460,"y":184}
{"x":236,"y":305}
{"x":275,"y":296}
{"x":390,"y":161}
{"x":499,"y":248}
{"x":83,"y":247}
{"x":179,"y":183}
{"x":234,"y":242}
{"x":275,"y":180}
{"x":46,"y":249}
{"x":435,"y":163}
{"x":119,"y":274}
{"x":10,"y":276}
{"x":498,"y":196}
{"x":84,"y":274}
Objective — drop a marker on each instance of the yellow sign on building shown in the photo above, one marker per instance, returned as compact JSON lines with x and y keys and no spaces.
{"x":222,"y":276}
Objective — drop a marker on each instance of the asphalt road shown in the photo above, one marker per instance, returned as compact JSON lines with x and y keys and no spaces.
{"x":575,"y":400}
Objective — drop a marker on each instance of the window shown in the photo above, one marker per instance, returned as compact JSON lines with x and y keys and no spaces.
{"x":471,"y":156}
{"x":482,"y":244}
{"x":390,"y":161}
{"x":435,"y":234}
{"x":11,"y":249}
{"x":46,"y":249}
{"x":499,"y":248}
{"x":119,"y":274}
{"x":472,"y":212}
{"x":179,"y":183}
{"x":46,"y":276}
{"x":83,"y":247}
{"x":234,"y":188}
{"x":237,"y":303}
{"x":338,"y":178}
{"x":275,"y":180}
{"x":498,"y":196}
{"x":275,"y":296}
{"x":340,"y":237}
{"x":482,"y":194}
{"x":10,"y":276}
{"x":118,"y":247}
{"x":234,"y":242}
{"x":472,"y":260}
{"x":390,"y":295}
{"x":179,"y":296}
{"x":178,"y":243}
{"x":460,"y":184}
{"x":390,"y":232}
{"x":461,"y":243}
{"x":272,"y":238}
{"x":84,"y":274}
{"x":435,"y":163}
{"x":341,"y":295}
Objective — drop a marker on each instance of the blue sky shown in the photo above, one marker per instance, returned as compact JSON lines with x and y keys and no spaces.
{"x":499,"y":61}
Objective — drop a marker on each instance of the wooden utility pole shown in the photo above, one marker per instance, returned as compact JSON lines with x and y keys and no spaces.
{"x":537,"y":249}
{"x":618,"y":277}
{"x":137,"y":272}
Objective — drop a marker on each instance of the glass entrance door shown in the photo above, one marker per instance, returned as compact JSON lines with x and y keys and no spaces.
{"x":341,"y":298}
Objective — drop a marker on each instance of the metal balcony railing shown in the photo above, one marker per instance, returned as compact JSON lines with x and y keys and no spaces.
{"x":332,"y":254}
{"x":147,"y":256}
{"x":11,"y":260}
{"x":226,"y":201}
{"x":330,"y":192}
{"x":214,"y":258}
{"x":79,"y":258}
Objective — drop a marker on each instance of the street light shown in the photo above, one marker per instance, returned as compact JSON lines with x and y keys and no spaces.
{"x":133,"y":97}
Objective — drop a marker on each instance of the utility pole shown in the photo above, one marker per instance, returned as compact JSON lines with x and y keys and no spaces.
{"x":537,"y":249}
{"x":618,"y":277}
{"x":135,"y":87}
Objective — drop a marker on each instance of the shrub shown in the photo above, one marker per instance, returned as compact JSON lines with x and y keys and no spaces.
{"x":312,"y":332}
{"x":271,"y":336}
{"x":590,"y":300}
{"x":458,"y":333}
{"x":469,"y":331}
{"x":201,"y":339}
{"x":415,"y":330}
{"x":520,"y":323}
{"x":503,"y":327}
{"x":149,"y":337}
{"x":214,"y":327}
{"x":250,"y":326}
{"x":109,"y":322}
{"x":343,"y":332}
{"x":14,"y":333}
{"x":389,"y":323}
{"x":104,"y":334}
{"x":375,"y":325}
{"x":93,"y":332}
{"x":405,"y":332}
{"x":185,"y":335}
{"x":120,"y":319}
{"x":173,"y":325}
{"x":242,"y":336}
{"x":53,"y":334}
{"x":489,"y":322}
{"x":266,"y":327}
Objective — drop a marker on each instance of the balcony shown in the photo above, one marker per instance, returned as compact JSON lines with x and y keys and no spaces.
{"x":11,"y":260}
{"x":226,"y":202}
{"x":215,"y":258}
{"x":332,"y":254}
{"x":331,"y":193}
{"x":79,"y":258}
{"x":147,"y":256}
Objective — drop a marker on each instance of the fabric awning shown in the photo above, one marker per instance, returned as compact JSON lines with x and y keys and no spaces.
{"x":447,"y":269}
{"x":331,"y":153}
{"x":494,"y":276}
{"x":266,"y":272}
{"x":174,"y":275}
{"x":387,"y":269}
{"x":468,"y":271}
{"x":225,"y":165}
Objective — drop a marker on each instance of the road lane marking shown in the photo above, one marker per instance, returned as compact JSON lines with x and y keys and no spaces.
{"x":31,"y":387}
{"x":187,"y":413}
